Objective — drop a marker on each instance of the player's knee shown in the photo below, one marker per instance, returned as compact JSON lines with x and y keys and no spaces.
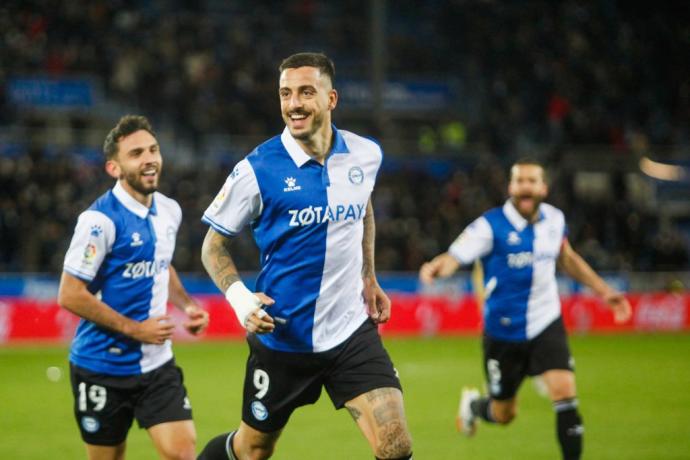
{"x":180,"y":452}
{"x":562,"y":392}
{"x":393,"y":441}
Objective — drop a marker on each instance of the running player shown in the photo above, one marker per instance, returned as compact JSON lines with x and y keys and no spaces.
{"x":306,"y":195}
{"x":118,"y":277}
{"x":519,"y":245}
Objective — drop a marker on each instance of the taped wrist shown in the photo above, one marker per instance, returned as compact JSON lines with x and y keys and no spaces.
{"x":242,"y":300}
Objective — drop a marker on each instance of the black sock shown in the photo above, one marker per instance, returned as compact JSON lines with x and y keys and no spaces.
{"x":219,"y":448}
{"x":482,"y":408}
{"x":406,"y":457}
{"x":569,"y":428}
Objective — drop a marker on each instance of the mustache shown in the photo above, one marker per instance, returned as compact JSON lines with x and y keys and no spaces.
{"x":298,"y":112}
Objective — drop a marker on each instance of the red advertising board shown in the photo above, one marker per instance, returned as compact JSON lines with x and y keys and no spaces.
{"x":24,"y":319}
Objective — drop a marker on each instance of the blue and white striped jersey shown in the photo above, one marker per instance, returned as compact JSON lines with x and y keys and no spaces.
{"x":122,"y":249}
{"x":519,"y":261}
{"x":307,"y":220}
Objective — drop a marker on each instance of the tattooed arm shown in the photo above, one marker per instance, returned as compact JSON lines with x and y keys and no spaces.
{"x":378,"y":303}
{"x":215,"y":255}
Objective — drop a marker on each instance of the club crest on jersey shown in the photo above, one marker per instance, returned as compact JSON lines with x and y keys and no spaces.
{"x":513,"y":239}
{"x":292,"y":186}
{"x":356,"y":175}
{"x":96,"y":230}
{"x":136,"y":240}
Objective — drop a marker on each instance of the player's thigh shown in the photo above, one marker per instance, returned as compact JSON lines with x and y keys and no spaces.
{"x":380,"y":415}
{"x":550,"y":351}
{"x":103,"y":408}
{"x":550,"y":357}
{"x":174,"y":440}
{"x":505,"y":367}
{"x":361,"y":365}
{"x":163,"y":399}
{"x":106,"y":452}
{"x":560,"y":384}
{"x":276,"y":383}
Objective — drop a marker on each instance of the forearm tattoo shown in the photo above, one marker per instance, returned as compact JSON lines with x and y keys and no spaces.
{"x":218,"y":262}
{"x":368,"y":241}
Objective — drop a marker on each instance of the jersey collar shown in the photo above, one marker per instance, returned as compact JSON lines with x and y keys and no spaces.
{"x":299,"y":156}
{"x":131,"y":204}
{"x":515,"y":218}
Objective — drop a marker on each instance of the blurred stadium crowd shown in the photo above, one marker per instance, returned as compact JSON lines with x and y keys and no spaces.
{"x":536,"y":78}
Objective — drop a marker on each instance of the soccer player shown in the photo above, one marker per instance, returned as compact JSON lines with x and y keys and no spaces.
{"x":118,"y":278}
{"x":519,"y":245}
{"x":312,"y":322}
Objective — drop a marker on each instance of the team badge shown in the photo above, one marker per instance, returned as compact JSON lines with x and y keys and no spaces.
{"x":356,"y":175}
{"x":96,"y":230}
{"x":259,"y":411}
{"x":90,"y":424}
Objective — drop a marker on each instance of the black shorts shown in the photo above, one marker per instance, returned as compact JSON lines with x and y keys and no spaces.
{"x":105,"y":405}
{"x":506,"y":364}
{"x":276,"y":382}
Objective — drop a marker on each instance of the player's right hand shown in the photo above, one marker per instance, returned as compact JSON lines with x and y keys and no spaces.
{"x":155,"y":330}
{"x":260,"y":322}
{"x":441,"y":266}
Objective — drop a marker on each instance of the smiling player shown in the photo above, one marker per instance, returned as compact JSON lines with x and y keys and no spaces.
{"x":306,"y":194}
{"x":118,"y":278}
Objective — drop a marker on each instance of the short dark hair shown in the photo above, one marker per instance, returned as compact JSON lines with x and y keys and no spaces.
{"x":531,"y":161}
{"x":318,"y":60}
{"x":127,"y":125}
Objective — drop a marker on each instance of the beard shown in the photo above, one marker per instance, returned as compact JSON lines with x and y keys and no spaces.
{"x":304,"y":134}
{"x":532,"y":210}
{"x":134,"y":180}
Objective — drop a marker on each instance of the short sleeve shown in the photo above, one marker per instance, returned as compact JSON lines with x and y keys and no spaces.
{"x":237,"y":203}
{"x":93,"y":238}
{"x":474,"y":242}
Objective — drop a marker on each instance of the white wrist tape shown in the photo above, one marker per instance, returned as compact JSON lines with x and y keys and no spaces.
{"x":243,"y":301}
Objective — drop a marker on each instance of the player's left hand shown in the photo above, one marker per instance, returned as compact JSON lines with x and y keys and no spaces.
{"x":622,"y":311}
{"x":198,"y":319}
{"x":378,"y":303}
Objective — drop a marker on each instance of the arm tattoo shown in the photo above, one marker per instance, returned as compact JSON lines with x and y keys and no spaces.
{"x":368,"y":242}
{"x":394,"y":440}
{"x":353,"y":412}
{"x":216,"y":258}
{"x":386,"y":412}
{"x":379,"y":393}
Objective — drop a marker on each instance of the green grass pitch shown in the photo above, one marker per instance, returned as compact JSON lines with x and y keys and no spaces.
{"x":634,"y":395}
